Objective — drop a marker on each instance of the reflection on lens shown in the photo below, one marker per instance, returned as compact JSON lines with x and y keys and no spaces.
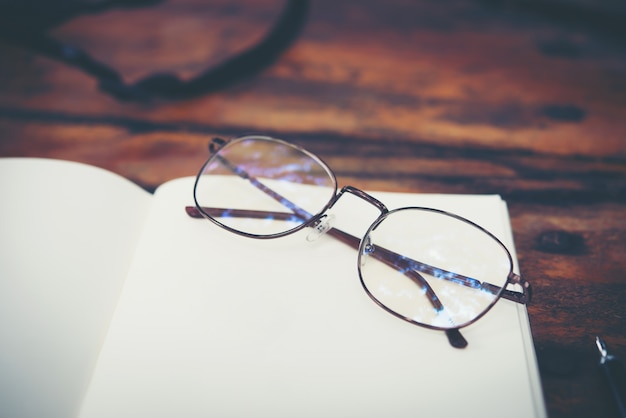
{"x":432,"y":268}
{"x":264,"y":187}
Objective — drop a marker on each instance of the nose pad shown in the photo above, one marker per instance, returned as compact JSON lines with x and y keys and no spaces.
{"x":321,"y":227}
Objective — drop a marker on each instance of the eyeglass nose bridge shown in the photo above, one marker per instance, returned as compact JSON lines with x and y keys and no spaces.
{"x":361,"y":194}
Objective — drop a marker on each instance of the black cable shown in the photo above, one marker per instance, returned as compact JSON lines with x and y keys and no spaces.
{"x":160,"y":85}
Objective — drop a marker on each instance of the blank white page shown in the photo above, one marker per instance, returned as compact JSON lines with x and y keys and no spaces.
{"x":211,"y":324}
{"x":67,"y":235}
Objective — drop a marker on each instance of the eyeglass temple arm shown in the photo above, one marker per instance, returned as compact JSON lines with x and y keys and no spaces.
{"x":407,"y":265}
{"x":344,"y":237}
{"x":392,"y":262}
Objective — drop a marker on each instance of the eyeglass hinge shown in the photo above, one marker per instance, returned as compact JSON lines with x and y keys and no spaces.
{"x":521,"y":297}
{"x":215,"y":144}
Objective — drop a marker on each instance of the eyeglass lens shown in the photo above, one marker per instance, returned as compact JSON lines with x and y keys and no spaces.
{"x":281,"y":186}
{"x":456,"y":261}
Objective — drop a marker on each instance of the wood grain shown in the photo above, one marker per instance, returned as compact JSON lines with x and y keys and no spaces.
{"x":522,"y":98}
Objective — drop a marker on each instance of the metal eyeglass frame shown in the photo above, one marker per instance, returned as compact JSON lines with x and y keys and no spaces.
{"x":410,"y":268}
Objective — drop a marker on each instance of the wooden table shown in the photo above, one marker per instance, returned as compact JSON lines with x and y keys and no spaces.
{"x":524,"y":98}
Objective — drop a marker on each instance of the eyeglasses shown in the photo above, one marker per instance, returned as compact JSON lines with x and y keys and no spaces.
{"x":426,"y":266}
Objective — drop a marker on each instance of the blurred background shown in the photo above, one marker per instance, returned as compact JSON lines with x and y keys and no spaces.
{"x":531,"y":76}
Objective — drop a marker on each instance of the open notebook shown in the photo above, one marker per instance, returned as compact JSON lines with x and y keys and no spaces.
{"x":115,"y":303}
